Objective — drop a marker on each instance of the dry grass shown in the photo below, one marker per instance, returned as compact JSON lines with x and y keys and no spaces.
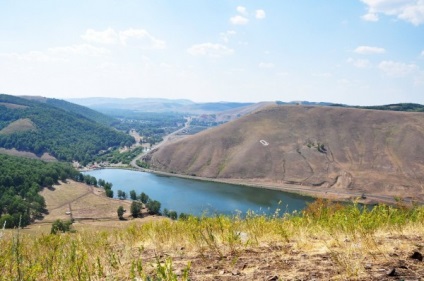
{"x":327,"y":242}
{"x":91,"y":209}
{"x":13,"y":106}
{"x":21,"y":125}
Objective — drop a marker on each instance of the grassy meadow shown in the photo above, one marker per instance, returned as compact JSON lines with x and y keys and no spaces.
{"x":327,"y":241}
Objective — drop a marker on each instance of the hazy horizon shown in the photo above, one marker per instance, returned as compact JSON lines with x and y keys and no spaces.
{"x":358,"y":52}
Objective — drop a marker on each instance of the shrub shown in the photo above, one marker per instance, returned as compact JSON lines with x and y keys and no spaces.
{"x":135,"y":209}
{"x":154,"y":207}
{"x":61,"y":226}
{"x":120,"y":212}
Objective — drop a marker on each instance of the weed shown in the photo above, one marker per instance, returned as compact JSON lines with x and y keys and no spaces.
{"x":348,"y":232}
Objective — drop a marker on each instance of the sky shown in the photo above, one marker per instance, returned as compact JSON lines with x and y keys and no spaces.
{"x":357,"y":52}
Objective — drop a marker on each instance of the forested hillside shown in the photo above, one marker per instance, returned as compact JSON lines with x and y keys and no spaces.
{"x":20,"y":181}
{"x":83,"y":111}
{"x":39,"y":127}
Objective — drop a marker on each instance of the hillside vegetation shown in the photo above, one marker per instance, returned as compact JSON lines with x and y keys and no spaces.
{"x":327,"y":148}
{"x":83,"y":111}
{"x":21,"y":180}
{"x":325,"y":242}
{"x":34,"y":126}
{"x":409,"y":107}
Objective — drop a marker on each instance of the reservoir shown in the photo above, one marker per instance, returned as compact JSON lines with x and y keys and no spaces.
{"x":201,"y":197}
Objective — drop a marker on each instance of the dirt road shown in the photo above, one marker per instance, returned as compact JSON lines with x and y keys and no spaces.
{"x":166,"y":138}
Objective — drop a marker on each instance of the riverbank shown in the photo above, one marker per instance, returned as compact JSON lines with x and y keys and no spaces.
{"x":310,"y":191}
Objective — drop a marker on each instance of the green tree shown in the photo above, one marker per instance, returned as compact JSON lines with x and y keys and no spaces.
{"x":60,"y":226}
{"x":121,"y":212}
{"x":109,"y":193}
{"x":173,"y":215}
{"x":183,"y":216}
{"x":133,"y":195}
{"x":136,"y":209}
{"x":154,"y":207}
{"x":144,"y":198}
{"x":120,"y":194}
{"x":166,"y":212}
{"x":48,"y":181}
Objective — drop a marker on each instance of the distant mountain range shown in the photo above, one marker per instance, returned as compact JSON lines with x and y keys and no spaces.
{"x":106,"y":105}
{"x":157,"y":105}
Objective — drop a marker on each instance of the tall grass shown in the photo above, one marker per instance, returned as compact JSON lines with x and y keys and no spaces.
{"x":136,"y":252}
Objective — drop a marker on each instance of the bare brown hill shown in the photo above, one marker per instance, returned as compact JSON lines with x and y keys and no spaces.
{"x":327,"y":148}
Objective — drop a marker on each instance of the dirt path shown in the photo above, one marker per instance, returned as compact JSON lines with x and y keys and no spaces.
{"x":74,"y":199}
{"x":87,"y":202}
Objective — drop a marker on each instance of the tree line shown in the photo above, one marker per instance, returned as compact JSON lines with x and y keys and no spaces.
{"x":21,"y":179}
{"x":143,"y":200}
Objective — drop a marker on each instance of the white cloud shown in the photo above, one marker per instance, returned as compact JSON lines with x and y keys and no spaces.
{"x":370,"y":17}
{"x":210,"y":49}
{"x":81,"y":49}
{"x":239,"y":20}
{"x":242,"y":10}
{"x":368,"y":50}
{"x":408,"y":10}
{"x":140,"y":38}
{"x":225,"y":36}
{"x":266,"y":65}
{"x":397,"y":69}
{"x":260,"y":14}
{"x":130,"y":37}
{"x":422,"y":54}
{"x":108,"y":36}
{"x":359,"y":63}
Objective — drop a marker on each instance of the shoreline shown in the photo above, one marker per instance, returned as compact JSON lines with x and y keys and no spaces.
{"x":335,"y":195}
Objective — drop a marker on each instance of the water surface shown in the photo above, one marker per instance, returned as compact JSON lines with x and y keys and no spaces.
{"x":199,"y":197}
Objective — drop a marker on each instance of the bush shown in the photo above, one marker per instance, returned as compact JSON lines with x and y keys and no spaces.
{"x":144,"y":198}
{"x":135,"y":209}
{"x":120,"y":212}
{"x":61,"y":226}
{"x":184,"y":216}
{"x":173,"y":215}
{"x":154,"y":207}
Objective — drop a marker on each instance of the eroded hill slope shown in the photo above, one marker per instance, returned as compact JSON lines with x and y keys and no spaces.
{"x":371,"y":151}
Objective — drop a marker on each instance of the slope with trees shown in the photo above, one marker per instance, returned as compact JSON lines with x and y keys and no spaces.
{"x":20,"y":181}
{"x":65,"y":135}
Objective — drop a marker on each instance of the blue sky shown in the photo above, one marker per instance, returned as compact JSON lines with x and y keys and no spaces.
{"x":360,"y":52}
